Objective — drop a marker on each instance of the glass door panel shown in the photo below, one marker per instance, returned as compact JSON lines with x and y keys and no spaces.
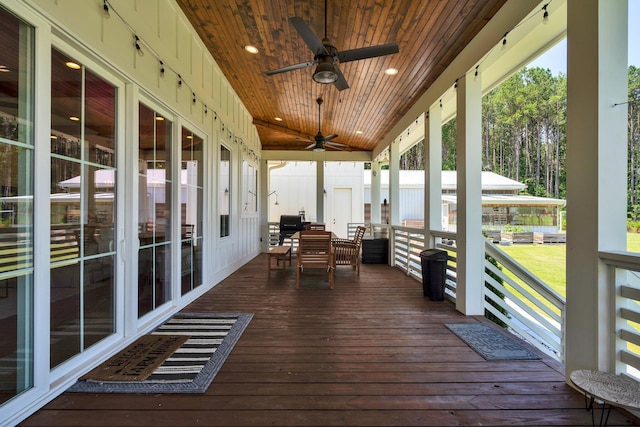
{"x":191,"y":197}
{"x":83,"y":196}
{"x":16,"y":206}
{"x":154,"y":210}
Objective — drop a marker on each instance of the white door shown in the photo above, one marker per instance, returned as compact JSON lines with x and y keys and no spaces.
{"x":340,"y":211}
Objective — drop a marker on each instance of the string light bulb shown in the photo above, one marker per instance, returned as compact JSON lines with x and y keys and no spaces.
{"x":504,"y":41}
{"x":138,"y":47}
{"x":545,"y":15}
{"x":193,"y":94}
{"x":455,"y":85}
{"x":179,"y":80}
{"x":161,"y":69}
{"x":105,"y":7}
{"x":475,"y":74}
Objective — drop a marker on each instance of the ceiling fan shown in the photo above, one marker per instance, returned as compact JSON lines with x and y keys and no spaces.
{"x":321,"y":141}
{"x":327,"y":57}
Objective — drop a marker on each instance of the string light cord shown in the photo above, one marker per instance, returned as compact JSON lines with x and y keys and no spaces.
{"x":626,"y":103}
{"x":142,"y":46}
{"x":476,"y":67}
{"x":545,"y":16}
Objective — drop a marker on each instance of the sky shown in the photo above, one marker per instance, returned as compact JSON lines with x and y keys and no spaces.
{"x":555,"y":58}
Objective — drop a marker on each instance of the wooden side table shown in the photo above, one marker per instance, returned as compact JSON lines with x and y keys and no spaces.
{"x":609,"y":389}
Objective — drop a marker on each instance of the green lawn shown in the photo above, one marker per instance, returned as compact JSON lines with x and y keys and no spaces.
{"x":545,"y":261}
{"x":548,"y":262}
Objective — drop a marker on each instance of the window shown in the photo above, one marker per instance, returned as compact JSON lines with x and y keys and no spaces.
{"x":16,"y":205}
{"x":154,"y":209}
{"x":83,"y":195}
{"x":249,"y":187}
{"x":224,"y":190}
{"x":191,"y":202}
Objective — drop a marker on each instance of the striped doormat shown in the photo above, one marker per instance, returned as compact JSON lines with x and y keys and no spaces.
{"x":191,"y":367}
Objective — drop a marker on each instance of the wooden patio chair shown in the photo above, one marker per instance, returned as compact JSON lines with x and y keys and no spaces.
{"x":347,"y":252}
{"x":315,"y":251}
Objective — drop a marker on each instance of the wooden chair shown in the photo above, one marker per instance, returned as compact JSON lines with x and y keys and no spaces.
{"x":315,"y":251}
{"x":318,"y":227}
{"x":347,"y":252}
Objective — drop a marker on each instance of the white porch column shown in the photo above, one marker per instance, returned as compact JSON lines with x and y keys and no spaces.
{"x":394,"y":184}
{"x":320,"y":191}
{"x":432,"y":173}
{"x":263,"y":203}
{"x":596,"y":175}
{"x":375,"y":192}
{"x":470,"y":265}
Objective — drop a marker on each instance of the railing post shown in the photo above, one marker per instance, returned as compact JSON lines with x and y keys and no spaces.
{"x":408,"y":253}
{"x":392,"y":246}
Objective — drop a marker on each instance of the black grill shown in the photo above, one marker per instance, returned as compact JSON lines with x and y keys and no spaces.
{"x":289,"y":225}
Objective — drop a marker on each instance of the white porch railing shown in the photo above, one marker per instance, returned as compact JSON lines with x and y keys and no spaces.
{"x":526,"y":304}
{"x":519,"y":300}
{"x":626,"y":270}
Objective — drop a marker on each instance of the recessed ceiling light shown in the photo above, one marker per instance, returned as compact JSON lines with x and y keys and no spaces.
{"x":72,"y":65}
{"x":74,"y":118}
{"x":4,"y":69}
{"x":54,"y":137}
{"x":159,"y":118}
{"x":251,"y":49}
{"x":391,"y":71}
{"x":358,"y":132}
{"x":277,"y":119}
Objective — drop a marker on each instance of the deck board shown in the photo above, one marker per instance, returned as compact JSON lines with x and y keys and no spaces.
{"x":372,"y":351}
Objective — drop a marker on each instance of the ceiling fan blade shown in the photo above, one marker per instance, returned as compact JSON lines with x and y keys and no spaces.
{"x":314,"y":43}
{"x":290,"y":68}
{"x":335,"y":144}
{"x":310,"y":146}
{"x":368,"y":52}
{"x":341,"y":83}
{"x":330,"y":137}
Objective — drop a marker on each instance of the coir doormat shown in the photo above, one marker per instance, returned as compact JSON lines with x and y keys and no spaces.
{"x":490,"y":343}
{"x":189,"y":368}
{"x":139,"y":360}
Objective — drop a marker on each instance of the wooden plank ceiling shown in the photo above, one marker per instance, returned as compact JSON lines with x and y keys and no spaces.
{"x":429,"y":33}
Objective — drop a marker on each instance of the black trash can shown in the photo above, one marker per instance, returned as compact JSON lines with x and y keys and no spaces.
{"x":434,"y":273}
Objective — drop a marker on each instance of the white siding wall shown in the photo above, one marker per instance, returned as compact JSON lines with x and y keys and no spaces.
{"x":167,"y":34}
{"x":295,"y":184}
{"x":107,"y":46}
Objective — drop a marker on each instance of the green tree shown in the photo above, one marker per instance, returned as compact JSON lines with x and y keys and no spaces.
{"x":633,"y":144}
{"x":449,"y":145}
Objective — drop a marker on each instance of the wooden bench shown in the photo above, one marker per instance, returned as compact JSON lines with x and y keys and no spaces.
{"x":280,"y":253}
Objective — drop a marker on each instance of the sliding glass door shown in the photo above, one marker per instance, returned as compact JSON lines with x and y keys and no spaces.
{"x":191,"y":202}
{"x":154,"y":210}
{"x":16,"y":205}
{"x":83,"y":198}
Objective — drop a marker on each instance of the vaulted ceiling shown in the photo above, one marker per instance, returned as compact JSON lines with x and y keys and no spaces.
{"x":429,"y":35}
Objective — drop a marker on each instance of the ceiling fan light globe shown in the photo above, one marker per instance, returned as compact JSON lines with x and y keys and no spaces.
{"x":325,"y":74}
{"x":318,"y":149}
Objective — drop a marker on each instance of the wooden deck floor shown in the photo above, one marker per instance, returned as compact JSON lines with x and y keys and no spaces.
{"x":371,"y":352}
